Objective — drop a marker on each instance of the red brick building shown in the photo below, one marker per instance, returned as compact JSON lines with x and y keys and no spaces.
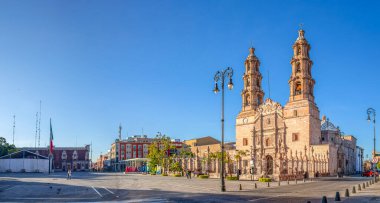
{"x":134,"y":147}
{"x":76,"y":158}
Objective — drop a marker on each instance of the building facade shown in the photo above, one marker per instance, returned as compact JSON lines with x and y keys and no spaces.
{"x":287,"y":141}
{"x":64,"y":158}
{"x":133,"y":147}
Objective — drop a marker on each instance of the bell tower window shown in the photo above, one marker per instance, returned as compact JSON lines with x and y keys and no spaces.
{"x":298,"y":68}
{"x":247,"y":100}
{"x":298,"y":89}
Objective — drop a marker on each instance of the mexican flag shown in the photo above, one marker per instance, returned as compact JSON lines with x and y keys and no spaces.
{"x":51,"y":139}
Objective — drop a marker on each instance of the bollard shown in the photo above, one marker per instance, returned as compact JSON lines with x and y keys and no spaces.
{"x":366,"y":184}
{"x":279,"y":183}
{"x":347,"y":193}
{"x":296,"y":181}
{"x":288,"y":181}
{"x":255,"y":186}
{"x":240,"y":188}
{"x":370,"y":182}
{"x":304,"y":180}
{"x":363,"y":186}
{"x":353,"y":189}
{"x":359,"y":188}
{"x":268,"y":185}
{"x":337,"y":196}
{"x":324,"y":199}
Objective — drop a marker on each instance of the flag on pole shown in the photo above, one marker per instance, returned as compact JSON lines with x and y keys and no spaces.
{"x":51,"y":139}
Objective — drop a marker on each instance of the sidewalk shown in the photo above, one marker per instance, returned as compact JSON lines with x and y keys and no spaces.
{"x":369,"y":194}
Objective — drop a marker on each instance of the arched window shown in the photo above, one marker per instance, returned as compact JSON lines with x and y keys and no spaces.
{"x":298,"y":68}
{"x":267,"y":142}
{"x":247,"y":100}
{"x":299,"y":50}
{"x":298,"y":88}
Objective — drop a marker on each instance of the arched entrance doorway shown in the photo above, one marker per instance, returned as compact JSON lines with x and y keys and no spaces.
{"x":269,"y":166}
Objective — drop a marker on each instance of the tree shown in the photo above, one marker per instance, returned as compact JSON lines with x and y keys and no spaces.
{"x":239,"y":154}
{"x":6,"y":148}
{"x":159,"y":152}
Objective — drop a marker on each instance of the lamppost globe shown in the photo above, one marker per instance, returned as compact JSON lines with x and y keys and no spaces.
{"x":216,"y":89}
{"x":230,"y":84}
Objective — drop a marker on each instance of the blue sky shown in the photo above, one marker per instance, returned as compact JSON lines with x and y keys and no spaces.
{"x":150,"y":65}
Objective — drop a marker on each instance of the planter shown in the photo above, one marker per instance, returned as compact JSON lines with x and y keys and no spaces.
{"x":265,"y":180}
{"x":177,"y":175}
{"x":231,"y":178}
{"x":164,"y":174}
{"x":203,"y":176}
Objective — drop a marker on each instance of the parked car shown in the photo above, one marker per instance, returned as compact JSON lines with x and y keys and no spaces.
{"x":370,"y":173}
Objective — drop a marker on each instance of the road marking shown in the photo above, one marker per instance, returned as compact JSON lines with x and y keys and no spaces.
{"x":147,"y":200}
{"x":96,"y":191}
{"x":109,"y":190}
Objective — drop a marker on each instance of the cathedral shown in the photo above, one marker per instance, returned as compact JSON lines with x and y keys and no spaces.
{"x":286,"y":141}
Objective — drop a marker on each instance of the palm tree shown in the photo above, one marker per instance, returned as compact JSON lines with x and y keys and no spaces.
{"x":239,"y":154}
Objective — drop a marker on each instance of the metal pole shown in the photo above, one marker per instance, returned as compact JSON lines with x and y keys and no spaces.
{"x":223,"y":187}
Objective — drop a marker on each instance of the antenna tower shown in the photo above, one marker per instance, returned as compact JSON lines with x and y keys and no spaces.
{"x":39,"y":127}
{"x":14,"y":126}
{"x":35,"y":138}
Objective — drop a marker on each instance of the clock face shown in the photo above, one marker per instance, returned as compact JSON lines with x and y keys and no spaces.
{"x":245,"y":120}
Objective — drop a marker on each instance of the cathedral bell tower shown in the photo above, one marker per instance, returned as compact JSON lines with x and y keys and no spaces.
{"x":252,"y":94}
{"x":301,"y":113}
{"x":301,"y":83}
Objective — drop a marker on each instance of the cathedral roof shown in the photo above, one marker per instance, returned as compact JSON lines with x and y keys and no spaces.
{"x":327,"y":125}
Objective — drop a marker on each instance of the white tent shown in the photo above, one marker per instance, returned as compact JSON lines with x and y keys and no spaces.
{"x":24,"y":161}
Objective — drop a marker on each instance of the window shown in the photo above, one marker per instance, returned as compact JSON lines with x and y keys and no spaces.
{"x":245,"y":141}
{"x":295,"y":137}
{"x":298,"y":89}
{"x":247,"y":100}
{"x":267,"y":142}
{"x":298,"y":68}
{"x":268,"y":121}
{"x":295,"y":113}
{"x":245,"y":163}
{"x":299,"y":50}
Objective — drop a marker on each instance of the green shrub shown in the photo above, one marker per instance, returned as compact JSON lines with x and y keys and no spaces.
{"x":203,"y":176}
{"x":177,"y":175}
{"x":232,"y":178}
{"x":152,"y":174}
{"x":265,"y":180}
{"x":164,"y":174}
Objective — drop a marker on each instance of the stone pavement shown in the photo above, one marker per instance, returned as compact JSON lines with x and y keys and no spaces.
{"x":94,"y":187}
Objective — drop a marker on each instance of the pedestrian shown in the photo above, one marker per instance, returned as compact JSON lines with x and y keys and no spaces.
{"x":189,"y":171}
{"x":69,"y":174}
{"x":187,"y":174}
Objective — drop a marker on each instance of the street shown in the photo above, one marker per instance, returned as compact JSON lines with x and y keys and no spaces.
{"x":90,"y":187}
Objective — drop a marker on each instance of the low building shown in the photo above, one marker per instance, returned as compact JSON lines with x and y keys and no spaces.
{"x":64,"y":158}
{"x":24,"y":161}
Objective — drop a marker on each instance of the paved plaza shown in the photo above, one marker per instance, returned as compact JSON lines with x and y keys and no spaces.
{"x":94,"y":187}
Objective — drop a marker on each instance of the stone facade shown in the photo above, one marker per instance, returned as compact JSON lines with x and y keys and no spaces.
{"x":285,"y":141}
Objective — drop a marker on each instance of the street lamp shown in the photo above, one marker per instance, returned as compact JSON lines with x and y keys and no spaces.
{"x":221,"y":76}
{"x":371,"y":111}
